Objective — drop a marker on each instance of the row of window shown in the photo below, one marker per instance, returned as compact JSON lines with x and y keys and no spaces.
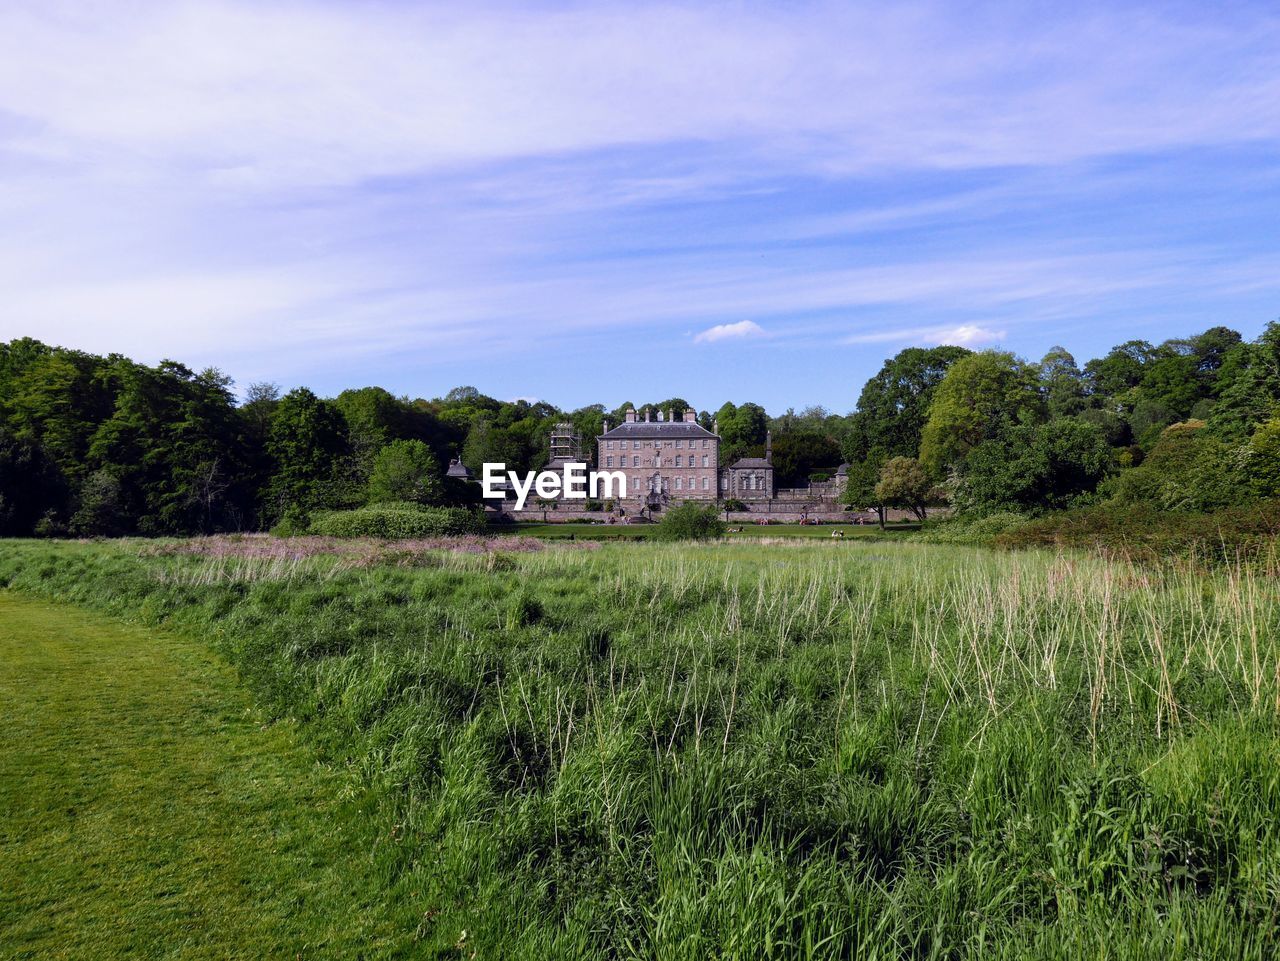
{"x":635,"y":444}
{"x":635,"y":460}
{"x":637,"y":487}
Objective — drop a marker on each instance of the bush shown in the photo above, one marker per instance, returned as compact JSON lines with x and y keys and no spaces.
{"x":733,"y":504}
{"x":293,"y":523}
{"x":972,"y":528}
{"x":690,"y":522}
{"x":398,"y":519}
{"x":1146,"y":535}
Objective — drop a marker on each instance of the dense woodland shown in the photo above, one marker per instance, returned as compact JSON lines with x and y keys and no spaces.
{"x":93,"y":445}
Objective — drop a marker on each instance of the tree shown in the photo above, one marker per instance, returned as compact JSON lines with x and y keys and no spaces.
{"x":860,"y":485}
{"x":797,"y":455}
{"x":904,"y":483}
{"x":1248,"y":386}
{"x":1120,"y":369}
{"x":31,"y":486}
{"x":894,"y":404}
{"x":1063,"y":383}
{"x":690,"y":521}
{"x":742,"y":430}
{"x":1188,"y":470}
{"x":405,"y":470}
{"x":308,"y":442}
{"x":101,"y":512}
{"x":979,"y":396}
{"x":1029,"y":468}
{"x":1263,"y":464}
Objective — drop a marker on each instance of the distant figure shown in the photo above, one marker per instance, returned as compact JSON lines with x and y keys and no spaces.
{"x":837,"y":533}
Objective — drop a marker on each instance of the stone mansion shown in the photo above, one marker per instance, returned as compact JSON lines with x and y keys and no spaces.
{"x":670,"y":459}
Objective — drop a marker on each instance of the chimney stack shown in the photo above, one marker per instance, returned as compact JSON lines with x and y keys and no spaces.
{"x":647,"y":412}
{"x":631,"y":415}
{"x":605,"y":428}
{"x":768,"y":447}
{"x":659,"y":416}
{"x":715,"y":427}
{"x":690,"y":415}
{"x":668,"y":415}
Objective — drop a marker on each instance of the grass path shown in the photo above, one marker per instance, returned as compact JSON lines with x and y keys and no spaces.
{"x":147,"y":812}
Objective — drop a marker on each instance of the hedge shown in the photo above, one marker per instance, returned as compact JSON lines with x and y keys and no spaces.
{"x":398,"y":520}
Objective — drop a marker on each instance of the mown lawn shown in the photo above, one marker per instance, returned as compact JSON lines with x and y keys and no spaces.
{"x":149,"y":812}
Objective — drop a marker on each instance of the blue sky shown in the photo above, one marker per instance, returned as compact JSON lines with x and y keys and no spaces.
{"x":609,"y":202}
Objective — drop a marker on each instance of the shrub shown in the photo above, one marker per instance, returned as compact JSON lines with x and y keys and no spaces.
{"x":293,"y":523}
{"x":972,"y":529}
{"x":398,"y":519}
{"x":690,"y":522}
{"x":733,"y":504}
{"x":1144,"y":534}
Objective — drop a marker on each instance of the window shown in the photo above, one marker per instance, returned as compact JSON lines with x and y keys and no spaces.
{"x":724,"y":482}
{"x":635,"y":445}
{"x":678,"y":459}
{"x":704,"y":461}
{"x":706,"y":483}
{"x":679,"y":483}
{"x":706,"y":444}
{"x":609,"y":461}
{"x":678,"y":443}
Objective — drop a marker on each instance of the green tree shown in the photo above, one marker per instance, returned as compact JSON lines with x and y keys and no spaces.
{"x":904,"y":483}
{"x":860,"y":485}
{"x":31,"y":486}
{"x":1063,"y":383}
{"x":1188,"y":470}
{"x":894,"y":404}
{"x":1029,"y":468}
{"x":1263,"y":465}
{"x":742,"y":430}
{"x":308,"y":442}
{"x":980,"y":396}
{"x":1248,"y":386}
{"x":690,"y":521}
{"x":406,"y":470}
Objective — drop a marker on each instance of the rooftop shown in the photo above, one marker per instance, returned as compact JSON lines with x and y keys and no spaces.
{"x":752,"y":462}
{"x":658,"y":428}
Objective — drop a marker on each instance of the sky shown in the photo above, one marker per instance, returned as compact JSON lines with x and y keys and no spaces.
{"x":599,"y":203}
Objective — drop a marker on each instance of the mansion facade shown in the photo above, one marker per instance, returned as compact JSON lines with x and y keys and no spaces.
{"x":671,"y":459}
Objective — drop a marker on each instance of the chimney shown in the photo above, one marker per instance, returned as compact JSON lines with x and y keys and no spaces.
{"x":690,"y":415}
{"x":715,"y":427}
{"x":647,"y":412}
{"x":659,"y":417}
{"x":605,"y":429}
{"x":631,"y":415}
{"x":668,"y":414}
{"x":768,"y":447}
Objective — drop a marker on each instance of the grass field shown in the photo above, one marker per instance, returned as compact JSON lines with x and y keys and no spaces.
{"x":880,"y":749}
{"x":604,"y":532}
{"x":148,"y":811}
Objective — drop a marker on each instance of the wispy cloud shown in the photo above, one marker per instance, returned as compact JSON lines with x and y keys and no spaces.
{"x":961,"y":335}
{"x":737,"y":331}
{"x":323,"y":190}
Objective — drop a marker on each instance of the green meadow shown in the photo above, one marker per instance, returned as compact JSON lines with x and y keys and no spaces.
{"x":786,"y":749}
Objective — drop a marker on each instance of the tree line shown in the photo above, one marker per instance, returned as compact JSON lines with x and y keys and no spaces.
{"x":94,"y":445}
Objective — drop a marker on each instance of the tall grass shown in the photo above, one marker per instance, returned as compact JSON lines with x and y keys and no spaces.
{"x":770,"y":751}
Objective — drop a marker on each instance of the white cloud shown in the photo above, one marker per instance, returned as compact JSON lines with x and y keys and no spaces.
{"x":289,"y":93}
{"x":743,"y":328}
{"x":962,"y":335}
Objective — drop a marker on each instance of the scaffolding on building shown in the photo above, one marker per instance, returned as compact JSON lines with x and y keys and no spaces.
{"x":566,"y":445}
